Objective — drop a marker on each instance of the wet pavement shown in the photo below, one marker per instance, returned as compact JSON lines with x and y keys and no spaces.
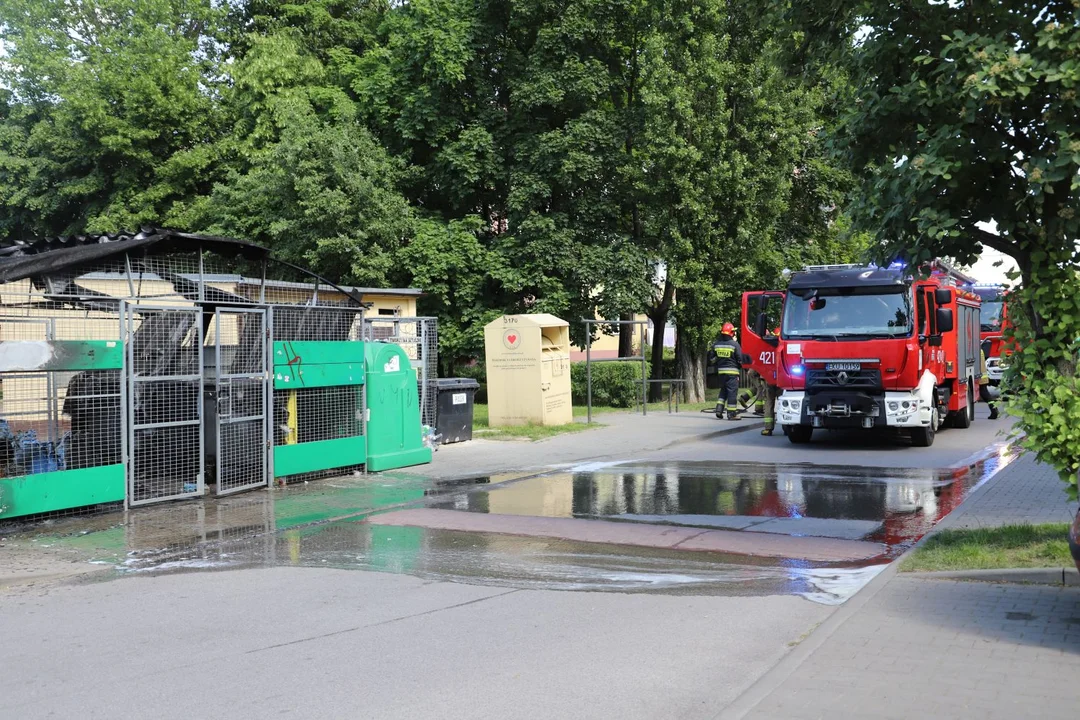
{"x":326,"y":524}
{"x":895,"y":507}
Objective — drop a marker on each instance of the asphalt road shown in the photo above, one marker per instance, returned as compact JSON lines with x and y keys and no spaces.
{"x":951,"y":447}
{"x":307,"y":643}
{"x":321,"y":642}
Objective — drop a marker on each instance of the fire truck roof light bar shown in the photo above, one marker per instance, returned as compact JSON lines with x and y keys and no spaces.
{"x":812,"y":268}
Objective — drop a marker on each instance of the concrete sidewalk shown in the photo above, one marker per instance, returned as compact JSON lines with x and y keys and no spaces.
{"x":909,"y":647}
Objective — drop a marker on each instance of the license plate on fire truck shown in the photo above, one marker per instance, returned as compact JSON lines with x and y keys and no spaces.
{"x":843,"y":366}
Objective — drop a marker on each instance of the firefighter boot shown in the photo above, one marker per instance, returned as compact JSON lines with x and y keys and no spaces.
{"x":993,"y":412}
{"x":767,"y":431}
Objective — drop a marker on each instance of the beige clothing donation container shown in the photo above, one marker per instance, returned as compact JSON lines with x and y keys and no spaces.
{"x":528,"y":370}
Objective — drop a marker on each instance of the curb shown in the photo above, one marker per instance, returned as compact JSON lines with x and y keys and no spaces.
{"x":1030,"y":576}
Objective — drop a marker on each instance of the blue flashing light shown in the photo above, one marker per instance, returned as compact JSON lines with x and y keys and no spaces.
{"x":797,"y":370}
{"x":897,"y":265}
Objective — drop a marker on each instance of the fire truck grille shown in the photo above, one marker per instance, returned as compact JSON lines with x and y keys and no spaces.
{"x":841,"y":379}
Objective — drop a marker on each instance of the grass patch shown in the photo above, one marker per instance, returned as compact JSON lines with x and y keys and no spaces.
{"x":1009,"y":546}
{"x":481,"y":428}
{"x":582,"y":411}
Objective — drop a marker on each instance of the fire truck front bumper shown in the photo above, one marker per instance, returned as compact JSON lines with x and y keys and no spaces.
{"x":904,"y":409}
{"x":854,"y":410}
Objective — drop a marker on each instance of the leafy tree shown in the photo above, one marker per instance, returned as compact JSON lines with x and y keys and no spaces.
{"x":964,"y":116}
{"x":728,"y":145}
{"x":108,"y":111}
{"x":451,"y":264}
{"x":303,"y":175}
{"x":515,"y":119}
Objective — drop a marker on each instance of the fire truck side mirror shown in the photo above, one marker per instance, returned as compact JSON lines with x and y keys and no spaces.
{"x":942,"y":296}
{"x":759,"y":325}
{"x":944,"y":319}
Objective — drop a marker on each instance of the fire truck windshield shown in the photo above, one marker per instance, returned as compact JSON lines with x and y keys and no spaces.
{"x":846,"y":313}
{"x":993,"y":305}
{"x":990,"y":315}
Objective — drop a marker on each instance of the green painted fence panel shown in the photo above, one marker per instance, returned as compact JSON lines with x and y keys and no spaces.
{"x":39,"y":355}
{"x":60,"y":490}
{"x":294,"y":377}
{"x":311,"y":364}
{"x":319,"y":455}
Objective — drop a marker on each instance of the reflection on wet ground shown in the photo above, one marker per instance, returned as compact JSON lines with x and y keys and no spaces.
{"x":894,"y":507}
{"x":323,"y":525}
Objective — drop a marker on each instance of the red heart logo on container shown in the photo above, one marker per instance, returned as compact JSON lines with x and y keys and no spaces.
{"x":512,"y":339}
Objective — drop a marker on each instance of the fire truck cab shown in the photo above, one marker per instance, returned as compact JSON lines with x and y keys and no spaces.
{"x":995,"y":319}
{"x":864,"y":347}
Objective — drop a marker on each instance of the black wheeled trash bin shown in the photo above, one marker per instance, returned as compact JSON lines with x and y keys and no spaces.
{"x":454,"y":418}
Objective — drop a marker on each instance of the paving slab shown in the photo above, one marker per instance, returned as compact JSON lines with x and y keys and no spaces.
{"x":920,"y":645}
{"x":968,"y":649}
{"x":639,"y":534}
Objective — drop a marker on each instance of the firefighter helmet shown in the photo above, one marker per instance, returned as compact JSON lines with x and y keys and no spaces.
{"x":728,"y":329}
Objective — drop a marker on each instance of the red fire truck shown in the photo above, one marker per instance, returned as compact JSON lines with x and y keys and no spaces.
{"x":864,"y":346}
{"x":995,"y":320}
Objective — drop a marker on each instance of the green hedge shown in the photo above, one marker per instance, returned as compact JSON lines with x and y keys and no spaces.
{"x":614,"y":384}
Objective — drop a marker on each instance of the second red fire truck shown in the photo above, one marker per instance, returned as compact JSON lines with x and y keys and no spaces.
{"x":865,"y":347}
{"x":995,"y":320}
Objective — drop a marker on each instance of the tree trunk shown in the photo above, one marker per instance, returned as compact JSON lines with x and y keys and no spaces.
{"x":691,"y":361}
{"x":658,"y":314}
{"x":656,"y":390}
{"x":627,"y":335}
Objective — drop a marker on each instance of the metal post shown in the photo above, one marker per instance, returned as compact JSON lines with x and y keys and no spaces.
{"x":588,"y":372}
{"x":645,"y":380}
{"x":125,"y":419}
{"x":422,"y":356}
{"x":127,"y":271}
{"x":262,"y":284}
{"x":268,"y":391}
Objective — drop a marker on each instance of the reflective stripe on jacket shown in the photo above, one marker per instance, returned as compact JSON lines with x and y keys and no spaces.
{"x":728,"y":356}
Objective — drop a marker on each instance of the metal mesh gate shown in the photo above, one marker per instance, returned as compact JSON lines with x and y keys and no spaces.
{"x":315,"y":414}
{"x":419,"y":336}
{"x":165,"y":401}
{"x":240,"y":399}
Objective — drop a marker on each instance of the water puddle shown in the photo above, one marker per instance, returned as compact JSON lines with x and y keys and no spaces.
{"x":893,"y":507}
{"x":323,"y":525}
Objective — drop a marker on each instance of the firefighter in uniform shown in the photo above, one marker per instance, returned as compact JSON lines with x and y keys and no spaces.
{"x":769,"y":399}
{"x":729,"y":357}
{"x":984,"y":387}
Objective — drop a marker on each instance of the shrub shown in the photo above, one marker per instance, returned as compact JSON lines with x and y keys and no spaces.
{"x":614,"y":384}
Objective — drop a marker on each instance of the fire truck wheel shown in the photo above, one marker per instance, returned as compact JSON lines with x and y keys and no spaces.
{"x":924,"y":436}
{"x":799,"y":434}
{"x":962,"y":418}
